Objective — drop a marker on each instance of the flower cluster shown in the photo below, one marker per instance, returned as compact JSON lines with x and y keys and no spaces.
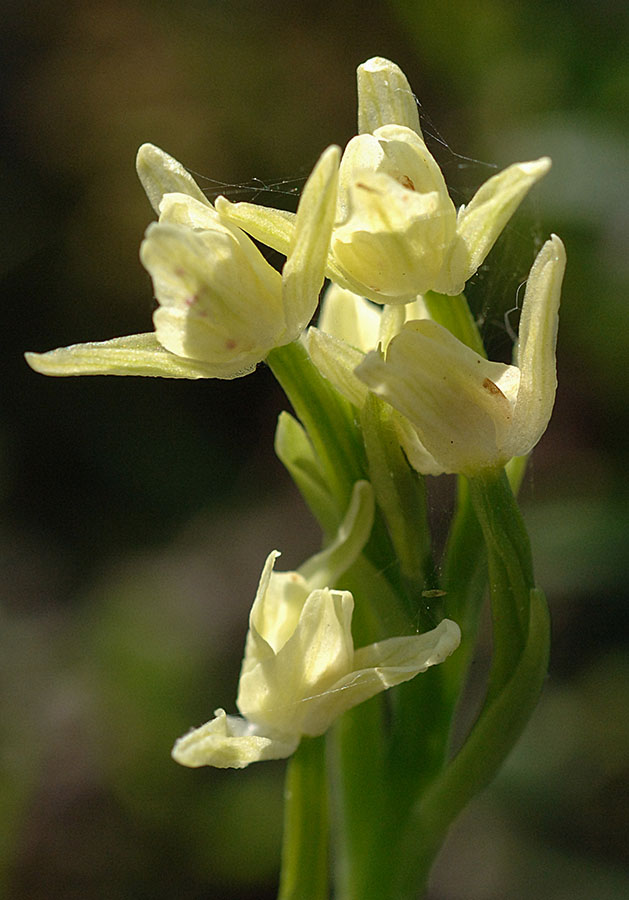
{"x":382,"y":226}
{"x":379,"y":223}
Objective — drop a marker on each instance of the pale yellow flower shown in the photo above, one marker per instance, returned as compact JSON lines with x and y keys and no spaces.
{"x":469,"y":413}
{"x":222,"y":307}
{"x":300,"y":670}
{"x":398,"y":233}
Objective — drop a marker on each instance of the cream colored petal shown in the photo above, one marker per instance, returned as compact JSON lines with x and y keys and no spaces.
{"x":304,"y":271}
{"x":337,"y":361}
{"x":453,"y":397}
{"x":161,"y":174}
{"x":417,"y":455}
{"x":416,"y":309}
{"x":408,"y":161}
{"x":135,"y":354}
{"x":480,"y":223}
{"x":281,"y":596}
{"x":417,"y":652}
{"x":378,"y":667}
{"x":349,"y":317}
{"x":393,"y":241}
{"x":222,"y":354}
{"x":384,"y":96}
{"x":277,"y":693}
{"x":401,"y":154}
{"x":274,"y":227}
{"x":392,"y":318}
{"x":180,"y":209}
{"x":363,"y":153}
{"x":220,"y":301}
{"x":229,"y":742}
{"x":536,"y":349}
{"x":260,"y":636}
{"x":275,"y":617}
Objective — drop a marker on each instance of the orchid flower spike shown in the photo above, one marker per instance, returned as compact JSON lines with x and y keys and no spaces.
{"x":469,"y":413}
{"x":300,"y":670}
{"x":222,"y":307}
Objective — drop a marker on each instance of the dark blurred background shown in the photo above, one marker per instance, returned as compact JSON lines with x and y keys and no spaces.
{"x":137,"y":513}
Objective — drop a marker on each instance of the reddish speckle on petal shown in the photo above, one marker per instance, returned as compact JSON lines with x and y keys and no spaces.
{"x":406,"y":182}
{"x":190,"y":301}
{"x":230,"y":344}
{"x":179,"y":272}
{"x":366,"y":187}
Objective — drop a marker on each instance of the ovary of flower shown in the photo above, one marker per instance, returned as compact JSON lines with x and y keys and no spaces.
{"x":222,"y":307}
{"x":301,"y":672}
{"x":397,"y":232}
{"x":469,"y":413}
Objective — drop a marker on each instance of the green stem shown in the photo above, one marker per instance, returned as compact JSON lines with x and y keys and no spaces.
{"x":498,"y":727}
{"x":360,"y":794}
{"x":464,"y":580}
{"x":521,"y":639}
{"x":510,"y":570}
{"x":330,"y":423}
{"x":304,"y":873}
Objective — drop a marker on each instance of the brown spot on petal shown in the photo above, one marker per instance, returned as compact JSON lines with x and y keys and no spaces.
{"x":230,"y":344}
{"x":406,"y":182}
{"x":190,"y":301}
{"x":492,"y":388}
{"x":365,"y":187}
{"x":179,"y":272}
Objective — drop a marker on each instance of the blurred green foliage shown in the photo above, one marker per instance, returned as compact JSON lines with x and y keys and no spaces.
{"x":136,"y":513}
